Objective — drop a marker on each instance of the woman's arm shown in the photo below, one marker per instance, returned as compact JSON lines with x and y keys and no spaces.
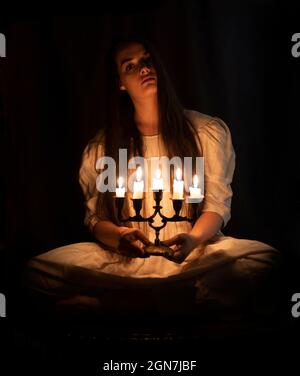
{"x":206,"y":226}
{"x":108,"y":233}
{"x":124,"y":240}
{"x":128,"y":241}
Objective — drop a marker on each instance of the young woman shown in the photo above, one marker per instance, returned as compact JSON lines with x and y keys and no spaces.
{"x":145,"y":117}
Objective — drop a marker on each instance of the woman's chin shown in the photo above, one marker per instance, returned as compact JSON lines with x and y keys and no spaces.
{"x":150,"y":89}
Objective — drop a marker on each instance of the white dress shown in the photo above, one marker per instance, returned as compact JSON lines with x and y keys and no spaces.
{"x":221,"y":269}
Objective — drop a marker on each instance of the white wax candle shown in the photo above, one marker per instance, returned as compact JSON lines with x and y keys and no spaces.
{"x":157,"y":181}
{"x":120,"y":192}
{"x":195,"y":192}
{"x":138,"y":185}
{"x":178,"y":186}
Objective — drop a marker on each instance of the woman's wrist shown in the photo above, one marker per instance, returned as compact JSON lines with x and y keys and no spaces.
{"x":108,"y":233}
{"x":206,"y":226}
{"x":122,"y":230}
{"x":196,"y":236}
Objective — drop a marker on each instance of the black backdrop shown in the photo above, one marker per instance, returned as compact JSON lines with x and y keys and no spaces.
{"x":228,"y":59}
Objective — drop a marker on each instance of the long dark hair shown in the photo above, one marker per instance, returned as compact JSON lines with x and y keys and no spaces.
{"x":177,"y":132}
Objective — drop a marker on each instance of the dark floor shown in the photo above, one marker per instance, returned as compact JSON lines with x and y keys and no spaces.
{"x":44,"y":342}
{"x":83,"y":347}
{"x":83,"y":342}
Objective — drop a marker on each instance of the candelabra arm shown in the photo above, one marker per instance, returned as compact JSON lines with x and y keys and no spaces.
{"x":157,"y":249}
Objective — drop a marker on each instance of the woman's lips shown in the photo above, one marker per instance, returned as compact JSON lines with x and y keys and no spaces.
{"x":148,"y":79}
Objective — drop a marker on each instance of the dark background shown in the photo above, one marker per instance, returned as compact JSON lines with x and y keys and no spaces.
{"x":227,"y":59}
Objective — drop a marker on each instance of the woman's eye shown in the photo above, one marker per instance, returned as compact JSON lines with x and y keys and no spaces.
{"x":129,"y":67}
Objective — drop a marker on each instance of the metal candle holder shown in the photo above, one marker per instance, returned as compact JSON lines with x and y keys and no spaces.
{"x":156,"y":249}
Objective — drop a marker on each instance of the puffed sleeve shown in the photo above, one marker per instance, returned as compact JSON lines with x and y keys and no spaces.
{"x":219,"y":165}
{"x":87,"y":181}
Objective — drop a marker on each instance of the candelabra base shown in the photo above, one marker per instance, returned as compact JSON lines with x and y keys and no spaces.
{"x":159,"y":250}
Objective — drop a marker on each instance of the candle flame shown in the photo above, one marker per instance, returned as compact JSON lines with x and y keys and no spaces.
{"x":120,"y":182}
{"x":178,"y":174}
{"x":139,"y":173}
{"x":157,"y":174}
{"x":195,"y":181}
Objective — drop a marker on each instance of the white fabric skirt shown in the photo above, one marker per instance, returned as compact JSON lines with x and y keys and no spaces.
{"x":225,"y":269}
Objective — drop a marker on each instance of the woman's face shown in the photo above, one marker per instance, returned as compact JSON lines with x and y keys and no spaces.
{"x":136,"y":72}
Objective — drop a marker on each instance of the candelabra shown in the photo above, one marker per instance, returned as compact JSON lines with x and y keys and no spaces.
{"x":158,"y":248}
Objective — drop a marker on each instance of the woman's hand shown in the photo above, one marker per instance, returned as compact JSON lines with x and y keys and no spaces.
{"x":132,"y":242}
{"x":184,"y":244}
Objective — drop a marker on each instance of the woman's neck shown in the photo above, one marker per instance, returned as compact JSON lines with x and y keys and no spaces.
{"x":146,"y":116}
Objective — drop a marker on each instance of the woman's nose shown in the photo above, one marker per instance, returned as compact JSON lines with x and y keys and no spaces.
{"x":144,"y":68}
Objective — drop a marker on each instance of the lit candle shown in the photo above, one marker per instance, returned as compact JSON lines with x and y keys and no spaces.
{"x":138,"y":185}
{"x":178,"y":186}
{"x":120,"y":192}
{"x":157,"y":181}
{"x":195,"y":192}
